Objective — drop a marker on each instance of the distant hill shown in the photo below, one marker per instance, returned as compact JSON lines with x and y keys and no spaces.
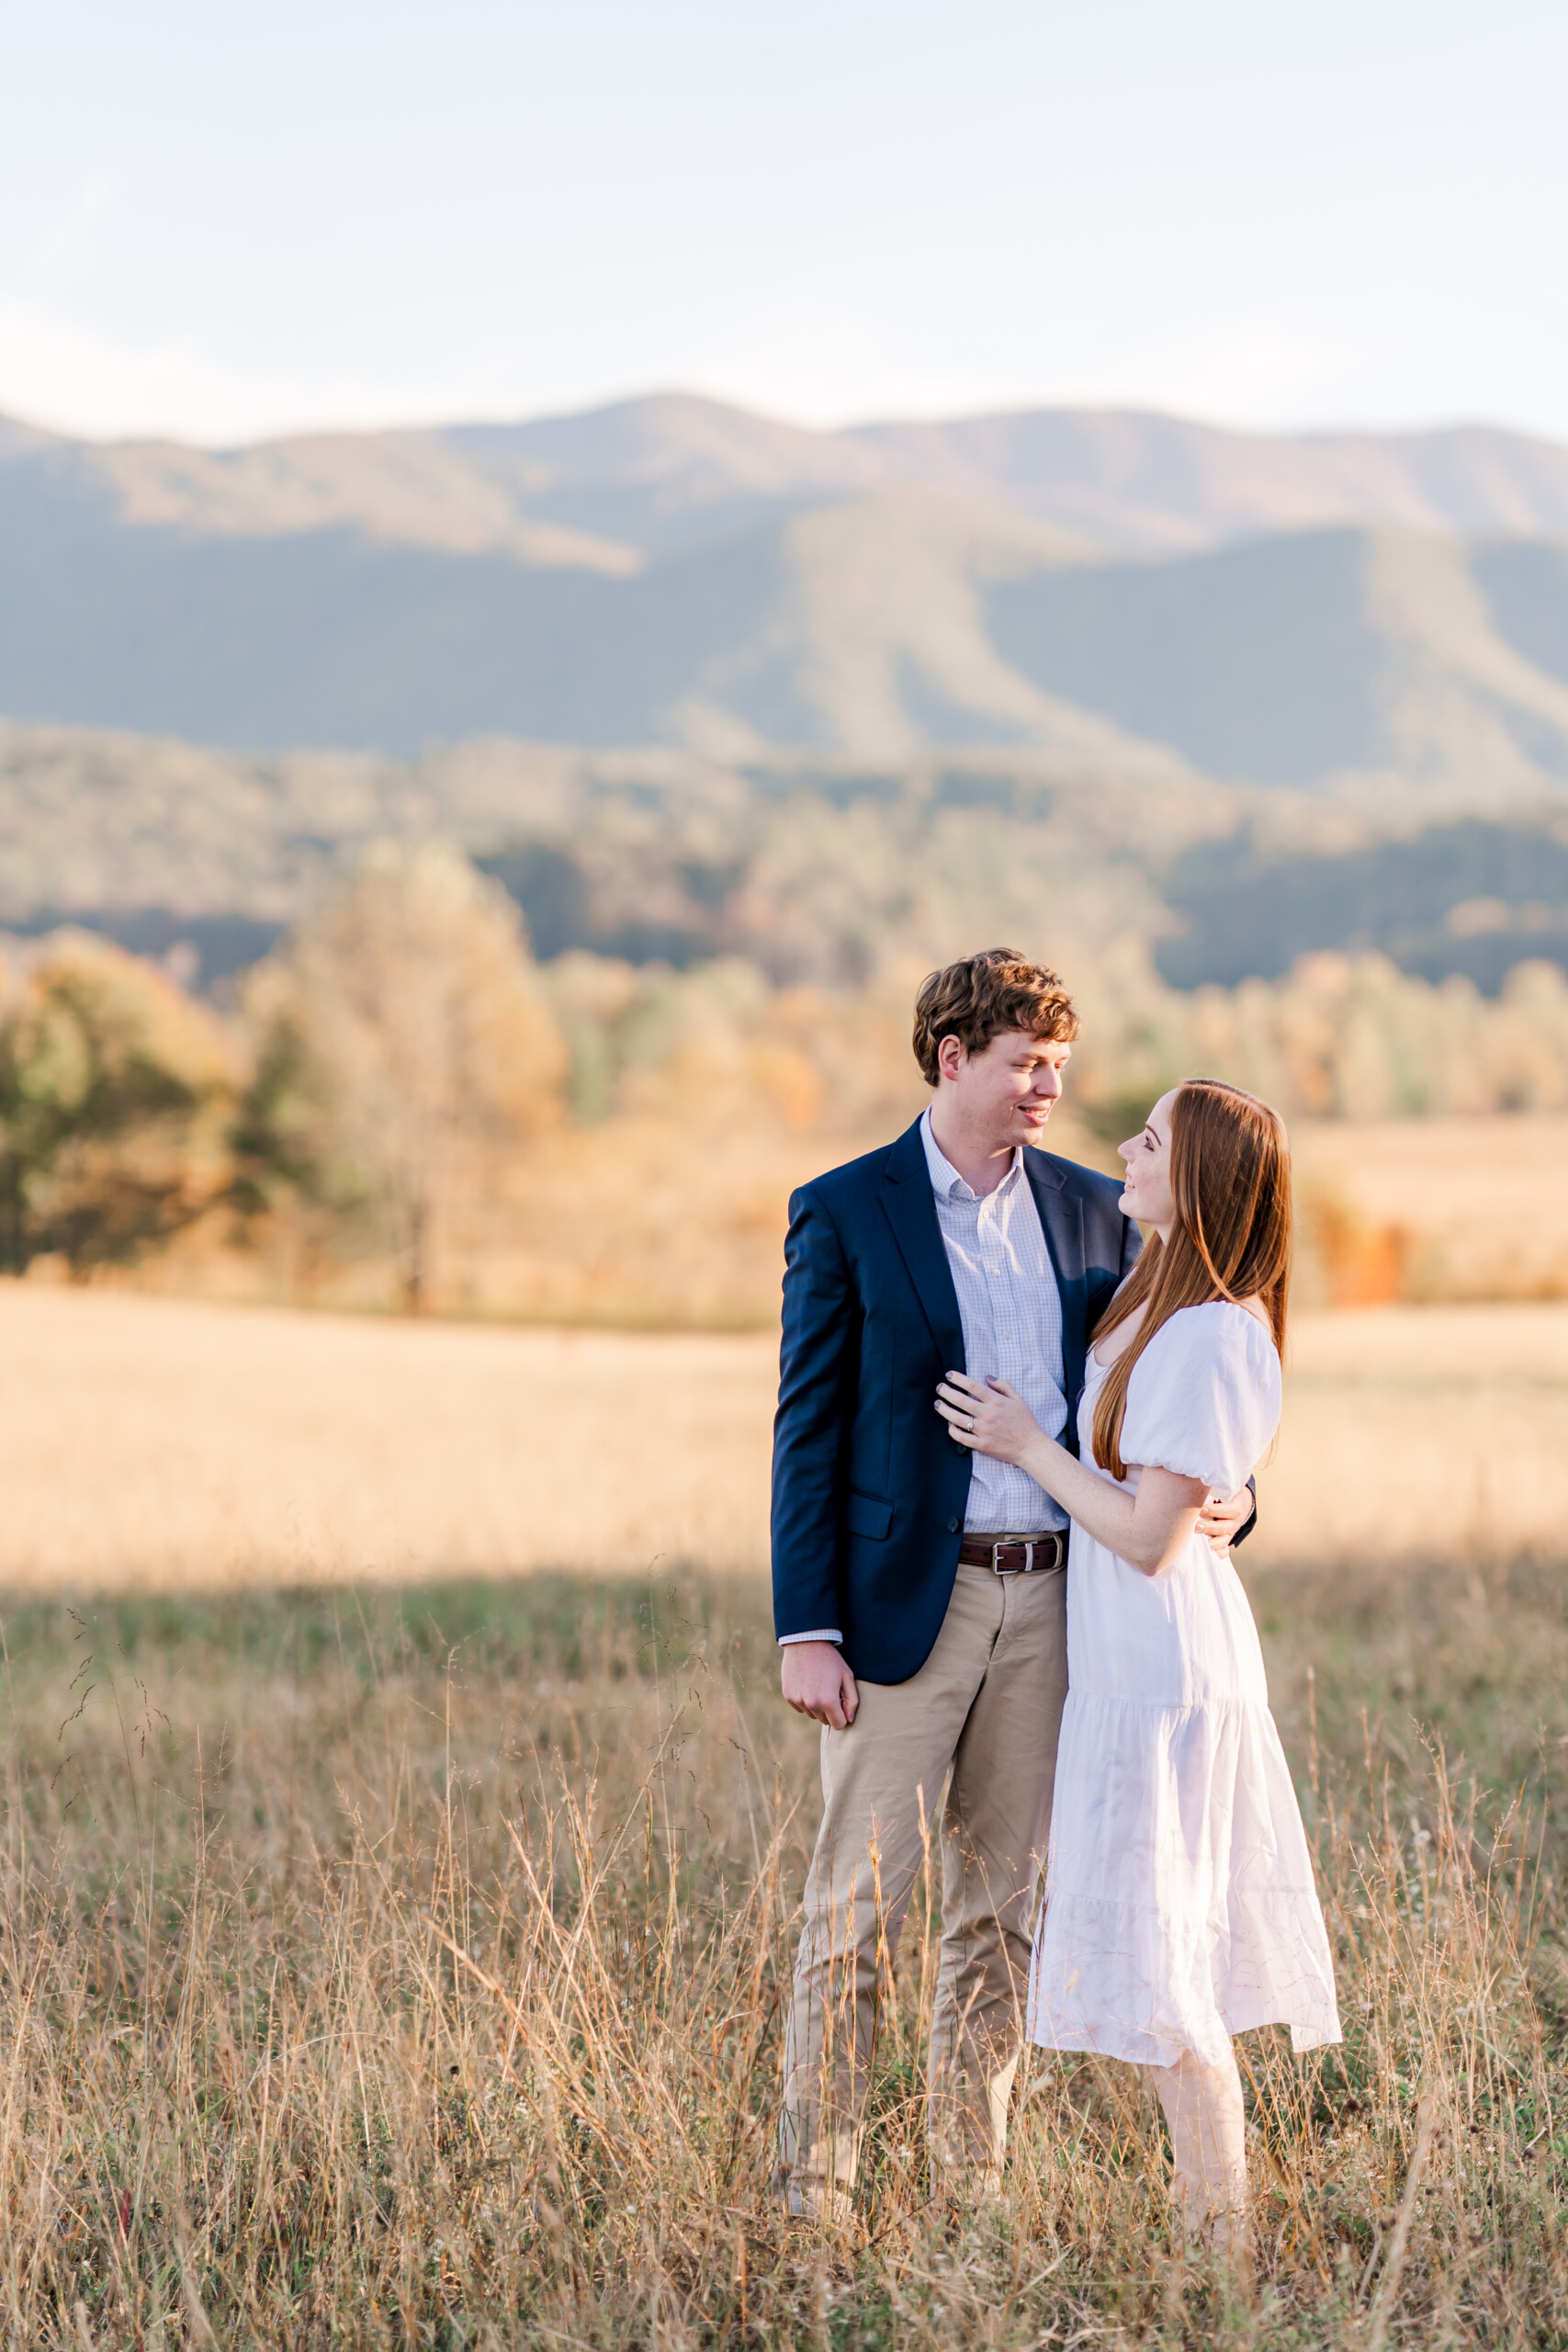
{"x":1473,"y":898}
{"x":1112,"y":587}
{"x":1322,"y":654}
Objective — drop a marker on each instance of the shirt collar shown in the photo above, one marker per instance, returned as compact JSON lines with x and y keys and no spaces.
{"x":946,"y":1182}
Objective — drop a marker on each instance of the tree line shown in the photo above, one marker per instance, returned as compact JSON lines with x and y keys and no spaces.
{"x":402,"y":1056}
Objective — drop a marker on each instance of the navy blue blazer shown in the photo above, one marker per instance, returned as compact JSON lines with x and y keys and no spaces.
{"x":869,"y":1491}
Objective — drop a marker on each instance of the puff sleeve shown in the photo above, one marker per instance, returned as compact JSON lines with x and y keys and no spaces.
{"x":1204,"y":1397}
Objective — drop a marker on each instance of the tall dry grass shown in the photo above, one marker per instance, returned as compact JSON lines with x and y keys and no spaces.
{"x":406,"y":1969}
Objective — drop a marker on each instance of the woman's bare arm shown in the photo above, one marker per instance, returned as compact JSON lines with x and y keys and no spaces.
{"x":1150,"y":1529}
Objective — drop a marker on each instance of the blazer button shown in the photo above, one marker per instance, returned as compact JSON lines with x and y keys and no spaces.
{"x":953,"y":1527}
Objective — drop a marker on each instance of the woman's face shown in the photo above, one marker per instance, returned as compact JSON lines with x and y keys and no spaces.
{"x":1146,"y":1192}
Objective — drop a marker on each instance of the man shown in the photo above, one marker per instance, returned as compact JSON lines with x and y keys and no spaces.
{"x":919,"y":1592}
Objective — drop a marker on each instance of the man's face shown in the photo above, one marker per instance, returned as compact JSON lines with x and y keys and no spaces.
{"x":1005,"y":1095}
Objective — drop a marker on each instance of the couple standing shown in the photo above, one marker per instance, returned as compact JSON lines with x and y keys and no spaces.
{"x":1097,"y":1402}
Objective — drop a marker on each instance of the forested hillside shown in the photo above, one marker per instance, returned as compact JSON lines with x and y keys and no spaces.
{"x":1123,"y":590}
{"x":817,"y":871}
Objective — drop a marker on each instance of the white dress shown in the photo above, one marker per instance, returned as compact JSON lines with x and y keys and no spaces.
{"x":1179,"y":1904}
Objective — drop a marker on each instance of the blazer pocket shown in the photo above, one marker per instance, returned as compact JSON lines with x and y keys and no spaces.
{"x":868,"y":1515}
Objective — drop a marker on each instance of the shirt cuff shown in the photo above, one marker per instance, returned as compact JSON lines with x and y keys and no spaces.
{"x":828,"y":1634}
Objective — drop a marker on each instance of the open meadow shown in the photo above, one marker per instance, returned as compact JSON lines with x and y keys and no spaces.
{"x":394,"y":1943}
{"x":160,"y":1442}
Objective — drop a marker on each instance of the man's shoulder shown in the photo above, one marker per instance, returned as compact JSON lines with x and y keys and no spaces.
{"x":854,"y":1179}
{"x":1081,"y":1183}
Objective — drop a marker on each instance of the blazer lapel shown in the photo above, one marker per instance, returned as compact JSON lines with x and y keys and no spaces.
{"x":1061,"y":1219}
{"x":911,"y":1212}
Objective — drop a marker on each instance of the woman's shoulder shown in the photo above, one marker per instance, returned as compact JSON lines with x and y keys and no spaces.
{"x":1204,"y":1395}
{"x":1219,"y":1333}
{"x":1225,"y":1318}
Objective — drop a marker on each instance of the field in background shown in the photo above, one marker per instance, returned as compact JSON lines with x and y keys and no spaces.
{"x":1434,"y":1209}
{"x":160,"y":1443}
{"x":157,"y":1441}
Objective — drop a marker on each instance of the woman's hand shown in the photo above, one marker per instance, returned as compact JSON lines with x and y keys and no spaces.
{"x":1149,"y":1530}
{"x":987,"y":1417}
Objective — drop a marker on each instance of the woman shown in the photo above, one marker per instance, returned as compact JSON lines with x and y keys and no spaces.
{"x":1180,"y":1907}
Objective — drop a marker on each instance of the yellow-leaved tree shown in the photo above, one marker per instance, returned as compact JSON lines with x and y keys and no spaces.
{"x":116,"y":1091}
{"x":400,"y":1036}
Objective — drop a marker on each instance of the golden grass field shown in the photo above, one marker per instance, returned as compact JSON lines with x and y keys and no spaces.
{"x":397,"y":1959}
{"x":1434,"y":1209}
{"x":158,"y":1443}
{"x":405,"y":1969}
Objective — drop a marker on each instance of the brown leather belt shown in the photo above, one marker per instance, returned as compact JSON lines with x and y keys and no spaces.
{"x":1015,"y":1555}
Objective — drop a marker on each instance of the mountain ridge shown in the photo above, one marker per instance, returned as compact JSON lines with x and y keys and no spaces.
{"x":1121,"y":478}
{"x":1137,"y":592}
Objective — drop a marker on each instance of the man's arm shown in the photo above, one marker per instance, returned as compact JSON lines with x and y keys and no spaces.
{"x":1235,"y":1504}
{"x":819,"y":1362}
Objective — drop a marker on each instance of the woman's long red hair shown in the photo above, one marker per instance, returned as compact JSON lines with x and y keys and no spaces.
{"x":1229,"y":1181}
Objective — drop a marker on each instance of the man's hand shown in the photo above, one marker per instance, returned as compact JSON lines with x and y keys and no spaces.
{"x":1218,"y":1520}
{"x":817,"y":1683}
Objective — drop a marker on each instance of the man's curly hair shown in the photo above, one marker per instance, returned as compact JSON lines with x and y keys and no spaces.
{"x":985,"y":995}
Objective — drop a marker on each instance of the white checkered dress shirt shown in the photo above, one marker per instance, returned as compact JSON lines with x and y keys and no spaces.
{"x":1011,"y":1313}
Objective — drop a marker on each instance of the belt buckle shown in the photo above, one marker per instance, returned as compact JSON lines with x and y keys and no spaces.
{"x":997,"y":1567}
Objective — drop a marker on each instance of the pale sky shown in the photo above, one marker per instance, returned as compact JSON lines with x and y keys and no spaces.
{"x":224,"y":221}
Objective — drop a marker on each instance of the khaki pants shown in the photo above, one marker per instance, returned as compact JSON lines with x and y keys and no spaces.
{"x":987,"y":1703}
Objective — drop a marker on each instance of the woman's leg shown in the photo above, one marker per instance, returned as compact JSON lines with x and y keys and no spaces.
{"x":1203,"y":2111}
